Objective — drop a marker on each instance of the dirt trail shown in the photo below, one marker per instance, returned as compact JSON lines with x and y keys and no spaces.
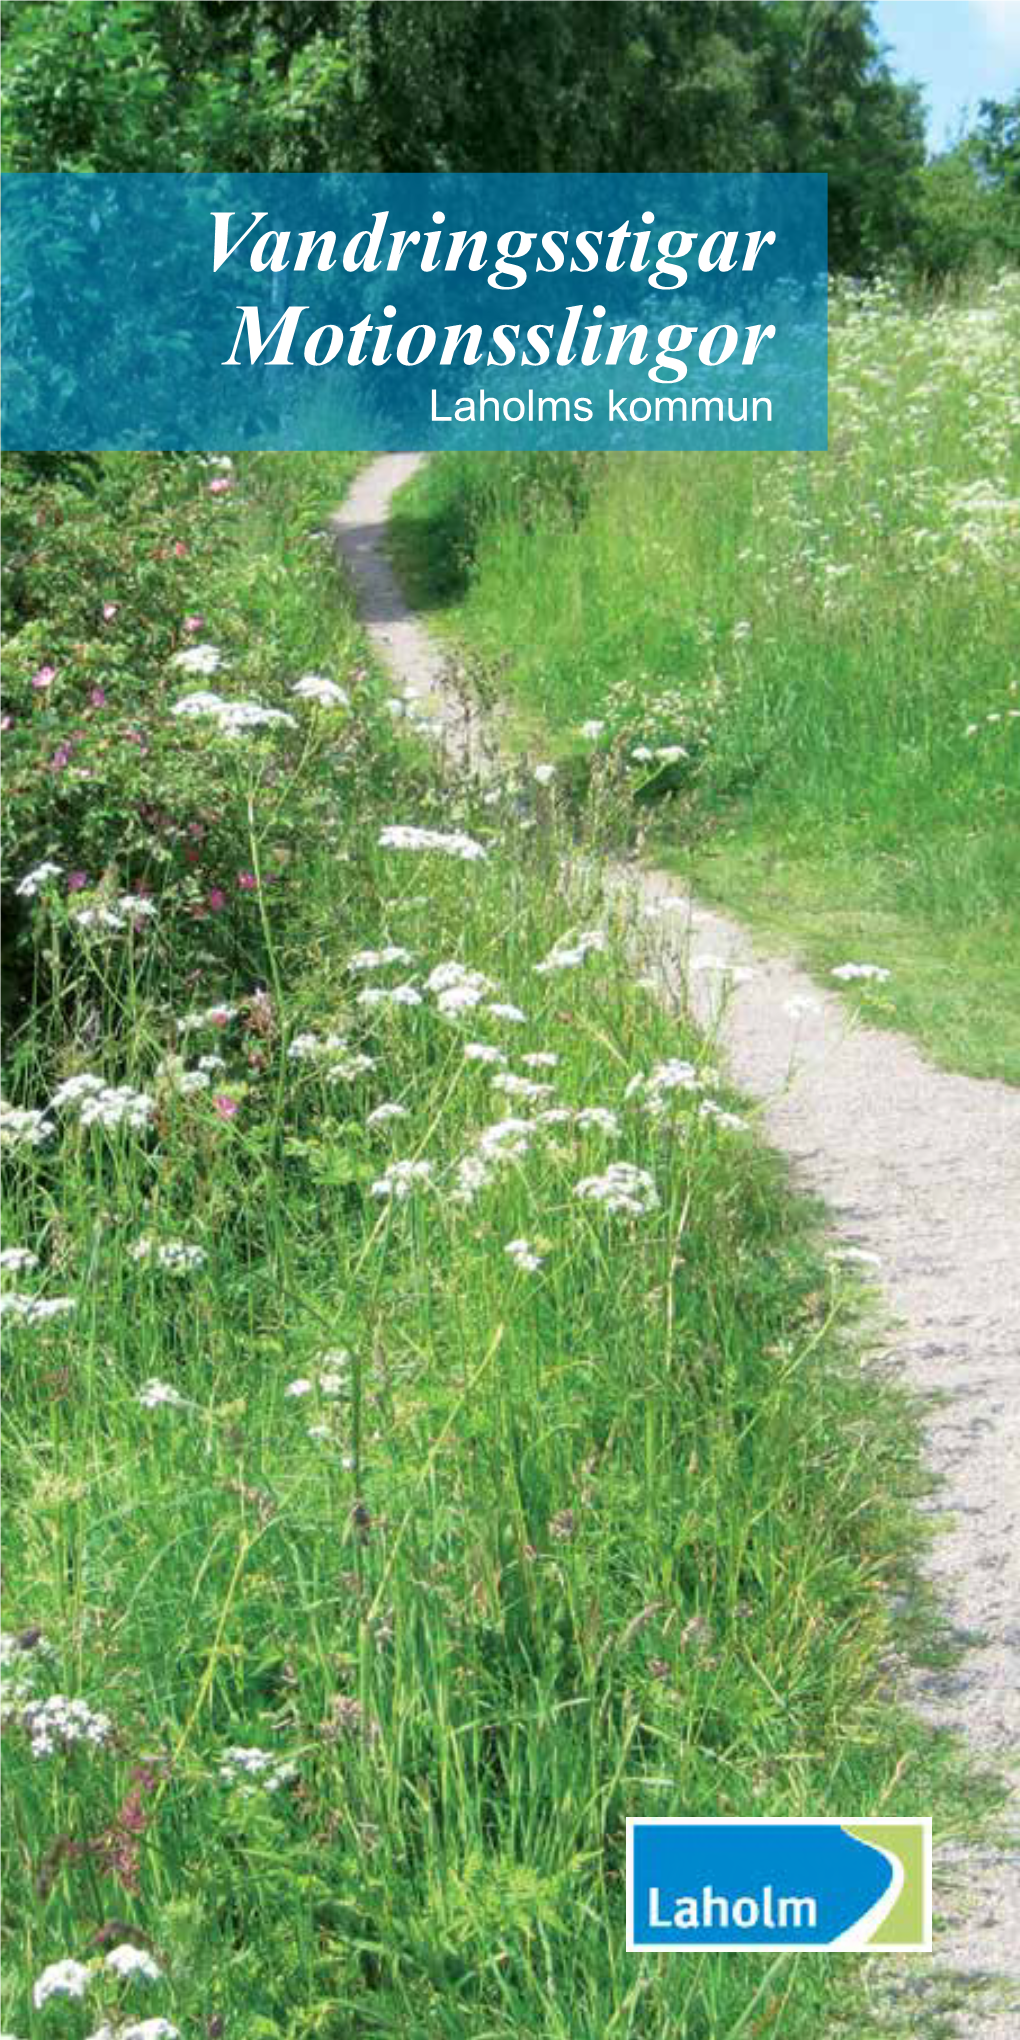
{"x":918,"y":1168}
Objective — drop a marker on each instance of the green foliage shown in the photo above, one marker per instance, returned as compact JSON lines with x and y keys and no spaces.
{"x":829,"y":639}
{"x":473,"y":85}
{"x":112,"y":570}
{"x":486,"y":1555}
{"x":968,"y":210}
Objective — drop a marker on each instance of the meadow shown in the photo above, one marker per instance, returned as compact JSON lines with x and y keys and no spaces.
{"x":801,"y":667}
{"x":433,"y":1429}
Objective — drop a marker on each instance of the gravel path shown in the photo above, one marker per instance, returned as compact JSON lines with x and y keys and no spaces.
{"x":918,"y":1168}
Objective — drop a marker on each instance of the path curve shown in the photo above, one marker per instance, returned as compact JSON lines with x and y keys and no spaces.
{"x":918,"y":1168}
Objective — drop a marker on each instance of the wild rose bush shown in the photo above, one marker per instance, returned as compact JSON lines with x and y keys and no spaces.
{"x":123,"y":596}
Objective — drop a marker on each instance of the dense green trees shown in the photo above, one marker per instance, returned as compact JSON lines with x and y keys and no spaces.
{"x":969,"y":201}
{"x":506,"y":85}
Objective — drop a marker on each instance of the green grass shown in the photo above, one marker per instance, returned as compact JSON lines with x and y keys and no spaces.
{"x":536,"y":1547}
{"x":830,"y":638}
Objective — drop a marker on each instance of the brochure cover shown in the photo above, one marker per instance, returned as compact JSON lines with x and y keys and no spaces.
{"x":511,"y":996}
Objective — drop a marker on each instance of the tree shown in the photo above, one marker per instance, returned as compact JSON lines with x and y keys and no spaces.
{"x":727,"y":85}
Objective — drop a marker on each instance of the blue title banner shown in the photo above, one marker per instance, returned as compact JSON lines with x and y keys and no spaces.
{"x":379,"y":312}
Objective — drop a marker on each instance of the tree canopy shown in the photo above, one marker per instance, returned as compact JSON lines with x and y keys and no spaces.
{"x":494,"y":85}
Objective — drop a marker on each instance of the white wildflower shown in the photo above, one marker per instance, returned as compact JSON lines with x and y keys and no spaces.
{"x":670,"y":754}
{"x":540,"y":1059}
{"x":34,"y":1310}
{"x":623,"y":1187}
{"x":708,"y":1109}
{"x":400,"y":1178}
{"x":61,"y":1979}
{"x":506,"y":1140}
{"x":846,"y":972}
{"x":445,"y":977}
{"x":675,"y":1074}
{"x":155,"y":1394}
{"x":142,"y":2029}
{"x":524,"y":1255}
{"x":127,"y":1961}
{"x":383,"y":1114}
{"x":23,"y":1126}
{"x":20,"y":1663}
{"x":592,"y":730}
{"x":666,"y":1078}
{"x":389,"y":995}
{"x":231,"y":717}
{"x":116,"y":1105}
{"x":473,"y":1175}
{"x":241,"y":1765}
{"x":98,"y":917}
{"x":237,"y":716}
{"x":205,"y":659}
{"x":544,"y":774}
{"x":214,"y":1016}
{"x":304,"y":1048}
{"x":520,"y":1087}
{"x":59,"y":1723}
{"x":598,"y":1119}
{"x":193,"y":1081}
{"x":177,"y":1257}
{"x":325,"y":693}
{"x":17,"y":1260}
{"x":172,"y":1072}
{"x":512,"y":1014}
{"x":75,"y":1089}
{"x":300,"y":1387}
{"x":350,"y":1068}
{"x":399,"y":836}
{"x":568,"y":955}
{"x":483,"y":1052}
{"x":462,"y":998}
{"x":379,"y":959}
{"x":34,"y":880}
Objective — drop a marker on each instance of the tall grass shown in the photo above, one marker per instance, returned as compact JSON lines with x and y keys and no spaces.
{"x":831,"y":638}
{"x":395,"y":1566}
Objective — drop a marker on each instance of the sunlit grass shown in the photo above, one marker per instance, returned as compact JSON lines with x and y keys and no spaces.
{"x":482,"y":1551}
{"x":831,"y":639}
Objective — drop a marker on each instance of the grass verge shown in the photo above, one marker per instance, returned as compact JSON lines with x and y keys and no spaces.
{"x":804,"y":666}
{"x":433,"y":1430}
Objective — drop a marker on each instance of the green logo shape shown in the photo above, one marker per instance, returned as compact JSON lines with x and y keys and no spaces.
{"x":906,"y":1843}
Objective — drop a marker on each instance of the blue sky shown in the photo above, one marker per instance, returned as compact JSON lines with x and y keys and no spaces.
{"x":961,"y":51}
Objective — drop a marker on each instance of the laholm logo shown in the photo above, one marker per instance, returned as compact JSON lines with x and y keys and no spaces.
{"x":728,"y":1884}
